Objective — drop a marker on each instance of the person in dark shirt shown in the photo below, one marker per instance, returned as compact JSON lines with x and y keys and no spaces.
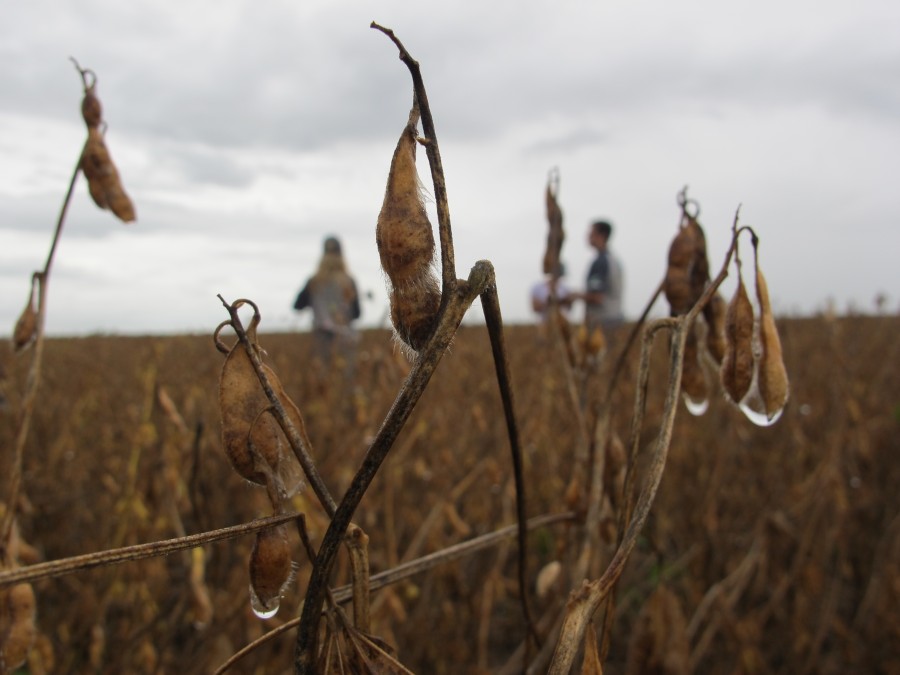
{"x":603,"y":294}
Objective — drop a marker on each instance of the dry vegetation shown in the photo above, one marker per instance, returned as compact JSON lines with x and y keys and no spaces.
{"x":597,"y":528}
{"x":779,"y":544}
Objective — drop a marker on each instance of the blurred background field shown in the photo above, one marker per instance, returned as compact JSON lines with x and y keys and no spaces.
{"x":778,"y":548}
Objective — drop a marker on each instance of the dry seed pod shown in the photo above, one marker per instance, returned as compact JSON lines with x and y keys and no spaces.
{"x":253,"y":440}
{"x":270,"y":568}
{"x":737,"y":362}
{"x":555,"y":233}
{"x":103,"y":178}
{"x":700,"y":263}
{"x":693,"y":379}
{"x":91,"y":110}
{"x":17,"y":625}
{"x":413,"y":311}
{"x":688,"y":269}
{"x":26,"y":326}
{"x":406,"y":245}
{"x":772,"y":375}
{"x":714,"y":313}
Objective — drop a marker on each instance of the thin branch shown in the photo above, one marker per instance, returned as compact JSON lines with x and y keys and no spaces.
{"x":34,"y":376}
{"x":480,"y":277}
{"x":490,"y":303}
{"x":64,"y":566}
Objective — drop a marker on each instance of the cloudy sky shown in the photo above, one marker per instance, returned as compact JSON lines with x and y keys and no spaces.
{"x":245,"y":132}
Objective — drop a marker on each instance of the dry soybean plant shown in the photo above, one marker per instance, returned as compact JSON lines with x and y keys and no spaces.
{"x":265,"y":440}
{"x":17,"y":629}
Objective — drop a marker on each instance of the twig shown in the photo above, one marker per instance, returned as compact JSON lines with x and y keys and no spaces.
{"x":465,"y":292}
{"x":490,"y":303}
{"x":34,"y":376}
{"x":64,"y":566}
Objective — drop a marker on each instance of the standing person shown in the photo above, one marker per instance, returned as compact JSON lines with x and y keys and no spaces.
{"x":331,"y":293}
{"x":551,"y":284}
{"x":603,"y":295}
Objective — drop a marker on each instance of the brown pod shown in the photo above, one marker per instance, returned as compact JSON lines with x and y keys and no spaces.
{"x":270,"y":566}
{"x":688,"y":269}
{"x":737,"y":361}
{"x":772,"y":374}
{"x":406,"y":245}
{"x":17,"y":625}
{"x":699,"y":269}
{"x":677,"y":288}
{"x":555,"y":233}
{"x":26,"y":326}
{"x":714,"y":313}
{"x":693,"y":379}
{"x":91,"y":110}
{"x":413,"y":311}
{"x":253,"y":440}
{"x":103,"y":178}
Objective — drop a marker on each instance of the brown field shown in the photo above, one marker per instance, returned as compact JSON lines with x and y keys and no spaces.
{"x":779,"y":545}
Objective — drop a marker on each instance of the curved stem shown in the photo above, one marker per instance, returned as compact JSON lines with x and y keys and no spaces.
{"x":34,"y":375}
{"x":465,"y":293}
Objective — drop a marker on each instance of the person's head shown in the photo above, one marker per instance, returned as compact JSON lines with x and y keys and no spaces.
{"x":332,"y":245}
{"x":599,"y":234}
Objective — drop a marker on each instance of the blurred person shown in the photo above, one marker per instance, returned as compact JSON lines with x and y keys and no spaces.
{"x":331,"y":294}
{"x":603,"y":293}
{"x":551,"y":286}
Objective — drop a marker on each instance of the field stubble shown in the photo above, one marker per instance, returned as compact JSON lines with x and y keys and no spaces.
{"x":768,"y":549}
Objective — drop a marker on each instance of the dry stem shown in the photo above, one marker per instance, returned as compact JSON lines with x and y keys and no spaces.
{"x":57,"y":568}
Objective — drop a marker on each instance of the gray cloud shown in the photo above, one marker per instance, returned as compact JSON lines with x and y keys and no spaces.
{"x":245,"y":132}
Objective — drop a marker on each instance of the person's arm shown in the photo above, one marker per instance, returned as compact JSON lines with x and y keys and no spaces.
{"x":302,"y":301}
{"x":355,"y":309}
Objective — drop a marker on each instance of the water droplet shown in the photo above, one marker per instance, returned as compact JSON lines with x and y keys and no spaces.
{"x":759,"y":418}
{"x":261,"y":609}
{"x":696,"y":408}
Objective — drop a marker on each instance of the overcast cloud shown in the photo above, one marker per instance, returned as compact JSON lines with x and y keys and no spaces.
{"x":245,"y":132}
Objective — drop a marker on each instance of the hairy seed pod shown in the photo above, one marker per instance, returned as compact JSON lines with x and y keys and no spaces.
{"x":737,"y":362}
{"x":270,"y":566}
{"x":26,"y":326}
{"x":252,"y":437}
{"x":714,"y":313}
{"x":91,"y":110}
{"x":688,"y":268}
{"x":17,"y":625}
{"x":406,"y":245}
{"x":103,"y":179}
{"x":772,"y":375}
{"x":555,"y":233}
{"x":693,"y":379}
